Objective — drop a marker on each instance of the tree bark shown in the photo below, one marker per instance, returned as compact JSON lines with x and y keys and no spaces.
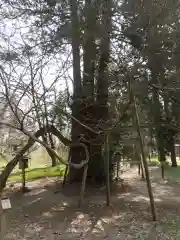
{"x":173,"y":155}
{"x":53,"y":158}
{"x":90,"y":112}
{"x":101,"y":113}
{"x":51,"y":155}
{"x":89,"y":51}
{"x":102,"y":83}
{"x":156,"y":75}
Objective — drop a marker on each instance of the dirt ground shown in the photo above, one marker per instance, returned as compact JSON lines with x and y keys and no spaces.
{"x":47,"y":214}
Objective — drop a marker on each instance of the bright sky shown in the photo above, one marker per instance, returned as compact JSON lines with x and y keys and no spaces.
{"x":13,"y":33}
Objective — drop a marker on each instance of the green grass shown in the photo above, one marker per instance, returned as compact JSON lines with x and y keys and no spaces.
{"x":172,"y":174}
{"x":36,"y":173}
{"x":154,"y":162}
{"x":39,"y":167}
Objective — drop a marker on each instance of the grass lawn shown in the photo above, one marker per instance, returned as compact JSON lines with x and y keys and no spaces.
{"x":39,"y":167}
{"x":171,"y":173}
{"x":32,"y":174}
{"x":154,"y":162}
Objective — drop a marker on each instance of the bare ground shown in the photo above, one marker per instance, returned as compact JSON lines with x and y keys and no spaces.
{"x":44,"y":214}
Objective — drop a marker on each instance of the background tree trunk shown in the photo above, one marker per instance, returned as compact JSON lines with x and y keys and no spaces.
{"x":53,"y":158}
{"x":173,"y":155}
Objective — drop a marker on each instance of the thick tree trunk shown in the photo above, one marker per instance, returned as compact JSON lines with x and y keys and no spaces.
{"x":101,"y":114}
{"x":89,"y":52}
{"x":89,"y":112}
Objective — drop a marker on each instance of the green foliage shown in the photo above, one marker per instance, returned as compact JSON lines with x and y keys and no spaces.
{"x":59,"y":109}
{"x":154,"y":162}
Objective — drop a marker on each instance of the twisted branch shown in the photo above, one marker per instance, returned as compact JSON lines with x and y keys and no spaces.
{"x":83,"y":162}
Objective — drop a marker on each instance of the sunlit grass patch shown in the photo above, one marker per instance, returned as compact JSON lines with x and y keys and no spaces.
{"x":32,"y":174}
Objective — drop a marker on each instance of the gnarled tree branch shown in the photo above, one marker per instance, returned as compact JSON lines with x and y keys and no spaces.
{"x":32,"y":139}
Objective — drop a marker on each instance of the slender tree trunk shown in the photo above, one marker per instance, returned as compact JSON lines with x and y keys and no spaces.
{"x":83,"y":184}
{"x":108,"y":193}
{"x":53,"y":158}
{"x":162,"y":169}
{"x":142,"y":170}
{"x":149,"y":157}
{"x":23,"y":179}
{"x":149,"y":187}
{"x":173,"y":154}
{"x":139,"y":168}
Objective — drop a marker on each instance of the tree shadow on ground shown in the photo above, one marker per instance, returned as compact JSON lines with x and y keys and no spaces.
{"x":42,"y":214}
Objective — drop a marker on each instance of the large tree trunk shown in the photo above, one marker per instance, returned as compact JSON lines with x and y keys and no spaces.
{"x":101,"y":113}
{"x":89,"y":52}
{"x":90,"y":112}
